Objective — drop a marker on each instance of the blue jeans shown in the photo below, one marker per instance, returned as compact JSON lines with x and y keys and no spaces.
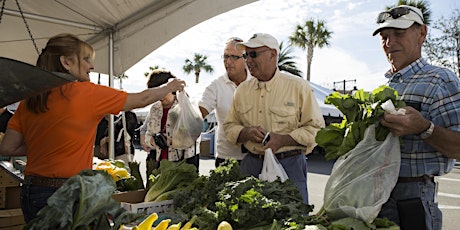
{"x":295,"y":167}
{"x":33,"y":198}
{"x":426,"y":191}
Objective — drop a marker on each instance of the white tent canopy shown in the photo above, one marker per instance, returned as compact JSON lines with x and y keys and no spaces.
{"x":122,"y":32}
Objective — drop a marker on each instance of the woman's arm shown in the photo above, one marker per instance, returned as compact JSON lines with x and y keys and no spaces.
{"x":13,"y":144}
{"x":151,"y":95}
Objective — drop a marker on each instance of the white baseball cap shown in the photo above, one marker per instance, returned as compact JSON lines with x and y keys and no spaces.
{"x":259,"y":40}
{"x":400,"y":17}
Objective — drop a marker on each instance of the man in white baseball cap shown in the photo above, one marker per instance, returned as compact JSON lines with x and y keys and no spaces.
{"x":400,"y":17}
{"x":273,"y":110}
{"x":259,"y":40}
{"x":430,"y":128}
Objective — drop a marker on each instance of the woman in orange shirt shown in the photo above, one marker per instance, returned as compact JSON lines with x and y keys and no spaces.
{"x":56,"y":129}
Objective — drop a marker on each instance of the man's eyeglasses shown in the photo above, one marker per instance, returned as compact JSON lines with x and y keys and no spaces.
{"x":232,"y":57}
{"x":395,"y":13}
{"x":254,"y":54}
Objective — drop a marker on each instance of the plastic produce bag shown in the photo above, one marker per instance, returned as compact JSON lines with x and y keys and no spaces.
{"x":362,"y":179}
{"x":188,"y":125}
{"x":272,"y":168}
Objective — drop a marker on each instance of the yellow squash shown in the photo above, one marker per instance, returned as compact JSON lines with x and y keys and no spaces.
{"x":147,"y":223}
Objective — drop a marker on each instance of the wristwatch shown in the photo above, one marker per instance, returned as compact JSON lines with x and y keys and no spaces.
{"x":427,"y":133}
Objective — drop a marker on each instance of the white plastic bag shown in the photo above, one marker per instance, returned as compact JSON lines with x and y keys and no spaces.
{"x":272,"y":168}
{"x":188,"y":125}
{"x":362,"y":179}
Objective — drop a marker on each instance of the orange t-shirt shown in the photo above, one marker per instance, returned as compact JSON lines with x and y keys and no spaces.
{"x":60,"y":141}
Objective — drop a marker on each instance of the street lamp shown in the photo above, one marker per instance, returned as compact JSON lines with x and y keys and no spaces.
{"x":344,"y":82}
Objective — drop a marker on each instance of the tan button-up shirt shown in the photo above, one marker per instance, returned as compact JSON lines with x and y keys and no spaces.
{"x":285,"y":105}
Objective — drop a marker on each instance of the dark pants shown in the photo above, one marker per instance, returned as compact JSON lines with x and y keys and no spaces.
{"x":33,"y":198}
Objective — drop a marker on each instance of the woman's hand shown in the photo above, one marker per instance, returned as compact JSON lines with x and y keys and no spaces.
{"x":176,"y":85}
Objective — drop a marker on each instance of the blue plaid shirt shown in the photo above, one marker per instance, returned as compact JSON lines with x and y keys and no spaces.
{"x":435,"y":92}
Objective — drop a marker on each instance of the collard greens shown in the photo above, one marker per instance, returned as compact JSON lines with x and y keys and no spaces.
{"x":360,"y":111}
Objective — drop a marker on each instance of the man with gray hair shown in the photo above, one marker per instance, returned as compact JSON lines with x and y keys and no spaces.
{"x":219,"y":95}
{"x":277,"y":103}
{"x":429,"y":130}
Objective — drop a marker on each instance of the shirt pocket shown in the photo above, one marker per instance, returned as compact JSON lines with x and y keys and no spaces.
{"x":283,"y":119}
{"x":244,"y":114}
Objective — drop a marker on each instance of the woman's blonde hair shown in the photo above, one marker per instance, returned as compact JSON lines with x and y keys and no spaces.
{"x":67,"y":45}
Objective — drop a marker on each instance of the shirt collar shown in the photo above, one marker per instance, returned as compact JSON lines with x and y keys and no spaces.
{"x":407,"y":71}
{"x":228,"y":81}
{"x":269,"y":84}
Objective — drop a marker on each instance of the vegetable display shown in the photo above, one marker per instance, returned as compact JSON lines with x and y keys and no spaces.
{"x":120,"y":173}
{"x":244,"y":202}
{"x":83,"y":202}
{"x":360,"y":111}
{"x":170,"y":178}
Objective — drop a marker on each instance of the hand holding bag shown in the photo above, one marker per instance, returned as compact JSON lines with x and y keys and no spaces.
{"x":272,"y":168}
{"x":362,"y":179}
{"x":189,"y":123}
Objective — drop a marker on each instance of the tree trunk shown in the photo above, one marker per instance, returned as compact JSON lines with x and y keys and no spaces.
{"x":309,"y":60}
{"x":197,"y":76}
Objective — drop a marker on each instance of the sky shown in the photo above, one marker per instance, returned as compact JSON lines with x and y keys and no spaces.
{"x":353,"y":54}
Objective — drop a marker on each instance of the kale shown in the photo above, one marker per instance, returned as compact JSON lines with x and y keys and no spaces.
{"x":244,"y":202}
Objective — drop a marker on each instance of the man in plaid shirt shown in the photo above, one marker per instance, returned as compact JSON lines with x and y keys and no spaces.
{"x":429,"y":129}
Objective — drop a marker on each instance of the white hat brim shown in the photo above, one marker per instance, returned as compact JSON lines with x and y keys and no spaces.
{"x":395,"y":23}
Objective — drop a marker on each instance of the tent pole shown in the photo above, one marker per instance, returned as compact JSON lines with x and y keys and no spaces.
{"x":111,"y":120}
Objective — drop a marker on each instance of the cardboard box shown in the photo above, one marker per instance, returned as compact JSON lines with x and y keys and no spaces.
{"x":205,"y":149}
{"x":11,"y":219}
{"x":133,"y":201}
{"x":9,"y":197}
{"x":6,"y":180}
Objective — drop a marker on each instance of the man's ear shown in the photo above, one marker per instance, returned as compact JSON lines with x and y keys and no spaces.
{"x":65,"y":63}
{"x":423,"y":33}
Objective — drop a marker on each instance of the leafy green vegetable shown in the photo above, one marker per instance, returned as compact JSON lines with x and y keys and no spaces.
{"x":127,"y":184}
{"x":360,"y":111}
{"x":83,"y":202}
{"x":172,"y":177}
{"x":244,"y":202}
{"x":135,"y":172}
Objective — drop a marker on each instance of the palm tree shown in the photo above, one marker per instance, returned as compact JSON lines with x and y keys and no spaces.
{"x":286,"y":61}
{"x":120,"y":78}
{"x":198,"y":63}
{"x":312,"y":34}
{"x":423,"y":5}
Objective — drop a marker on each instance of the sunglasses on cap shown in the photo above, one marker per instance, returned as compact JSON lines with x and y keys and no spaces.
{"x":231,"y":57}
{"x":254,"y":54}
{"x":395,"y":13}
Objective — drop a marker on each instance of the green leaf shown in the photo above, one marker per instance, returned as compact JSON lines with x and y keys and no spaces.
{"x":84,"y":200}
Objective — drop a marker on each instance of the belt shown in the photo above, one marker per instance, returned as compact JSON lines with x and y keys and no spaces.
{"x":424,"y":178}
{"x":280,"y":155}
{"x":44,"y":181}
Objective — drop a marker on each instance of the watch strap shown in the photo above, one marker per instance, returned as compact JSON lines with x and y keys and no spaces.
{"x":427,"y":133}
